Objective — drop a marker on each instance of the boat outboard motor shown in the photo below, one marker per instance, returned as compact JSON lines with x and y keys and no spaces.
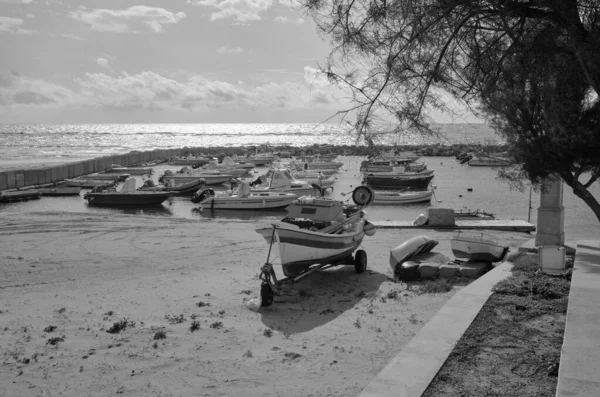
{"x":203,"y":195}
{"x":363,"y":195}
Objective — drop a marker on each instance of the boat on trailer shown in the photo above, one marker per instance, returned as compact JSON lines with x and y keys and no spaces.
{"x":477,"y":246}
{"x":317,"y":234}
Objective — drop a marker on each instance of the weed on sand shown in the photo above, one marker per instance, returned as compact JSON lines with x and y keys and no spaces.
{"x":513,"y":346}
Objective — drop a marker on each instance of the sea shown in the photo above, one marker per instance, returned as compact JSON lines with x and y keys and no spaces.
{"x":456,"y":186}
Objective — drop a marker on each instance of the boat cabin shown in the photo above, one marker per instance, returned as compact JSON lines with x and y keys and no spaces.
{"x":317,"y":209}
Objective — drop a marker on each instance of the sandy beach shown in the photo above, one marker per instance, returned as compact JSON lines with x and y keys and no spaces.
{"x":66,"y":279}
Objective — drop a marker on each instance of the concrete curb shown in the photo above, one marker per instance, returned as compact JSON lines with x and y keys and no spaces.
{"x":579,"y":370}
{"x":412,"y":370}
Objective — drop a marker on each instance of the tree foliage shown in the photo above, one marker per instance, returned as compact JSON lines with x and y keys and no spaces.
{"x":530,"y":67}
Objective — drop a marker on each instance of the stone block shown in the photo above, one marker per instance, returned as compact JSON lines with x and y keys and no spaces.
{"x":449,"y":270}
{"x":474,"y":269}
{"x":11,"y":179}
{"x":31,"y":177}
{"x":429,"y":270}
{"x":3,"y":181}
{"x":440,"y":216}
{"x":19,"y":178}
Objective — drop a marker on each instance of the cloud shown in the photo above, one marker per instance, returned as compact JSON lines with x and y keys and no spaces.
{"x":241,"y":11}
{"x":16,"y":1}
{"x":103,"y":62}
{"x":72,"y":37}
{"x":284,"y":20}
{"x":135,"y":20}
{"x":229,"y":50}
{"x":290,"y":3}
{"x":13,"y":26}
{"x":152,"y":91}
{"x":16,"y":90}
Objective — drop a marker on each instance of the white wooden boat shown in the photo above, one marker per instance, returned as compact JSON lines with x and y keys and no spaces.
{"x":60,"y":191}
{"x":480,"y":160}
{"x":477,"y":246}
{"x":127,"y":195}
{"x":88,"y":183}
{"x":318,"y":233}
{"x":392,"y":166}
{"x":115,"y":177}
{"x":281,"y":180}
{"x":19,"y":195}
{"x":213,"y":167}
{"x":116,"y":168}
{"x":324,"y":165}
{"x":211,"y":177}
{"x":315,"y":178}
{"x":189,"y":160}
{"x":402,"y":197}
{"x":227,"y":164}
{"x":210,"y":199}
{"x":172,"y":186}
{"x":257,"y":160}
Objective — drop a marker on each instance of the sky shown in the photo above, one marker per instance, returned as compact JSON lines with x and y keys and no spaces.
{"x":186,"y":61}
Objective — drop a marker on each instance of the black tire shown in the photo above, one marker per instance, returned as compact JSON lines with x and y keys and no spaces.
{"x":360,"y":261}
{"x":266,"y":293}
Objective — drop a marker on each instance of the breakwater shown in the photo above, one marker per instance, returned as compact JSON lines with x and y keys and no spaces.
{"x":17,"y":179}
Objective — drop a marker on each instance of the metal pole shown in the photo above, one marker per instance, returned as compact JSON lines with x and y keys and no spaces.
{"x":529,"y":212}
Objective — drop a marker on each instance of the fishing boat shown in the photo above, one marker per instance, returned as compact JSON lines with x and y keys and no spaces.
{"x":173,"y":186}
{"x":318,"y":233}
{"x":227,"y":164}
{"x":257,"y":159}
{"x":390,"y":165}
{"x":316,"y":178}
{"x":324,"y":165}
{"x":131,"y":170}
{"x":19,"y":195}
{"x":212,"y":200}
{"x":211,"y":177}
{"x":60,"y":191}
{"x":214,"y":168}
{"x":481,"y":160}
{"x":189,"y":160}
{"x":397,"y":181}
{"x":402,"y":197}
{"x":401,"y":172}
{"x":89,"y":183}
{"x":115,"y":177}
{"x":127,"y":195}
{"x":281,"y":180}
{"x":466,"y":214}
{"x":477,"y":246}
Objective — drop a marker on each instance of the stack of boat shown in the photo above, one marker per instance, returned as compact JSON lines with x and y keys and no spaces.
{"x":398,"y":180}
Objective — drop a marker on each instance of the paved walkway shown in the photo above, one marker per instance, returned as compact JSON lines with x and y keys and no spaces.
{"x":579,"y":371}
{"x":412,"y":370}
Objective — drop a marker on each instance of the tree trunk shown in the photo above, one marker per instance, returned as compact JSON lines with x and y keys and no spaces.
{"x":584,"y":194}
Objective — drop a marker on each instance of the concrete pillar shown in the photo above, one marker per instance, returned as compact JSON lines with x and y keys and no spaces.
{"x":551,"y":214}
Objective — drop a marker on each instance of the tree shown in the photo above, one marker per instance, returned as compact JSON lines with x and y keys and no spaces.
{"x":530,"y":67}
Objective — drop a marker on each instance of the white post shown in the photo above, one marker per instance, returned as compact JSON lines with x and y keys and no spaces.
{"x":551,"y":214}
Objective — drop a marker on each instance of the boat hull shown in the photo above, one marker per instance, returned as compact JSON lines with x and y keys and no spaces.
{"x":254,"y":202}
{"x":402,"y":197}
{"x":60,"y":191}
{"x":391,"y":182}
{"x":133,"y":170}
{"x":88,"y":183}
{"x":209,"y":179}
{"x":301,"y":248}
{"x":474,"y":248}
{"x":119,"y":199}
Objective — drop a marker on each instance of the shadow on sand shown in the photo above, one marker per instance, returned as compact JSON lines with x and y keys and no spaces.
{"x":320,"y":298}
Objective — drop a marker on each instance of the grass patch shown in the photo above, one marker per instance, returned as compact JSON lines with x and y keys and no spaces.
{"x":55,"y":341}
{"x":513,"y":346}
{"x":194,"y":326}
{"x":158,"y":335}
{"x":175,"y":318}
{"x":50,"y":328}
{"x":120,"y":326}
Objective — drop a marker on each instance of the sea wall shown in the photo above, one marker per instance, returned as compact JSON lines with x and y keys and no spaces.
{"x":16,"y":179}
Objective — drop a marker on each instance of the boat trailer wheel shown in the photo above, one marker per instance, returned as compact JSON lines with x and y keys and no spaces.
{"x":266,"y":294}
